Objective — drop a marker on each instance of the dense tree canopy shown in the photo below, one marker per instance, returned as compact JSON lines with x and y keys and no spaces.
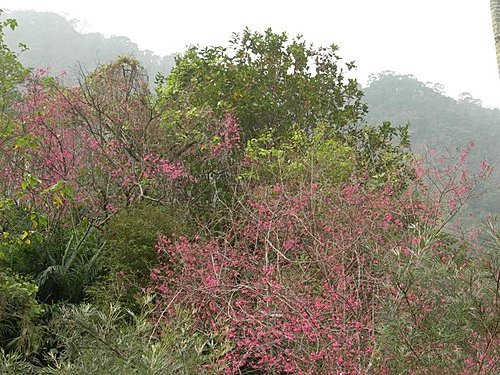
{"x":270,"y":82}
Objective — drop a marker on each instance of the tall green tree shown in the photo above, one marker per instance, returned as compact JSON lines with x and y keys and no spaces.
{"x":276,"y":85}
{"x":495,"y":17}
{"x":269,"y":81}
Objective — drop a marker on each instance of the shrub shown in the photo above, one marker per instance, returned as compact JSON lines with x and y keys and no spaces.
{"x":293,"y":284}
{"x":116,"y":341}
{"x":129,"y":251}
{"x":19,"y":312}
{"x":320,"y":279}
{"x":14,"y":364}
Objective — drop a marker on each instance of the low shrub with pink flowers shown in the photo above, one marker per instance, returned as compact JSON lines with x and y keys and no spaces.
{"x":321,"y":280}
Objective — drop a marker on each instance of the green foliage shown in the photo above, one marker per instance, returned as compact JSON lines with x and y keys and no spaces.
{"x":129,"y":253}
{"x":18,"y":226}
{"x":14,"y":364}
{"x":270,"y":83}
{"x":71,"y":267}
{"x":11,"y":71}
{"x":63,"y":261}
{"x":298,"y":158}
{"x":132,"y":233}
{"x":289,"y":98}
{"x":444,"y":300}
{"x":19,"y":312}
{"x":116,"y":341}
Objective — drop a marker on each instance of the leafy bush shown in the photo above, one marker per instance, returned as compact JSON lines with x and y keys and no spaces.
{"x":131,"y":235}
{"x":19,"y":312}
{"x":116,"y":341}
{"x":129,"y":254}
{"x":303,"y":154}
{"x":62,"y":261}
{"x":72,"y":266}
{"x":14,"y":364}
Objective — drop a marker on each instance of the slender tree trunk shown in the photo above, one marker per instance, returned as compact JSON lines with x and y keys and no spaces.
{"x":495,"y":17}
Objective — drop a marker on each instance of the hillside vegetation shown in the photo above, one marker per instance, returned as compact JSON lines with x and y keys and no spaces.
{"x":242,"y":218}
{"x":438,"y":122}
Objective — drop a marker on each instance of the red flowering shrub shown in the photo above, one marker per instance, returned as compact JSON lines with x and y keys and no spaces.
{"x":293,"y":292}
{"x":302,"y":280}
{"x":290,"y":296}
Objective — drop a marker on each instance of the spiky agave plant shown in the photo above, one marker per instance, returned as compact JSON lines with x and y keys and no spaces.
{"x":69,"y":272}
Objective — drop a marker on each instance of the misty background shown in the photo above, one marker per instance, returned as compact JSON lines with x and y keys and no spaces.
{"x":447,"y":41}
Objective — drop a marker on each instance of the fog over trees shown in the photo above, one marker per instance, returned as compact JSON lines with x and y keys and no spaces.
{"x":438,"y":122}
{"x":54,"y":42}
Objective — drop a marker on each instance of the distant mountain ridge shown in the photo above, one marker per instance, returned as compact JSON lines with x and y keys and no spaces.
{"x":54,"y":42}
{"x":436,"y":120}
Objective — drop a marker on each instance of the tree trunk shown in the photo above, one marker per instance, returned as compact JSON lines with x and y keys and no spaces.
{"x":495,"y":17}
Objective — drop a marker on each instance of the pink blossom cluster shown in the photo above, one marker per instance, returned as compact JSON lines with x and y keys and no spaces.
{"x":292,"y":289}
{"x":229,"y":137}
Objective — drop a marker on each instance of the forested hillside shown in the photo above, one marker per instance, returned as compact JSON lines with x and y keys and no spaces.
{"x":245,"y":215}
{"x":53,"y":42}
{"x":438,"y":122}
{"x":436,"y":119}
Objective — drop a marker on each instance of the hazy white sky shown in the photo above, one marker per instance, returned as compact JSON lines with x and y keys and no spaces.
{"x":445,"y":41}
